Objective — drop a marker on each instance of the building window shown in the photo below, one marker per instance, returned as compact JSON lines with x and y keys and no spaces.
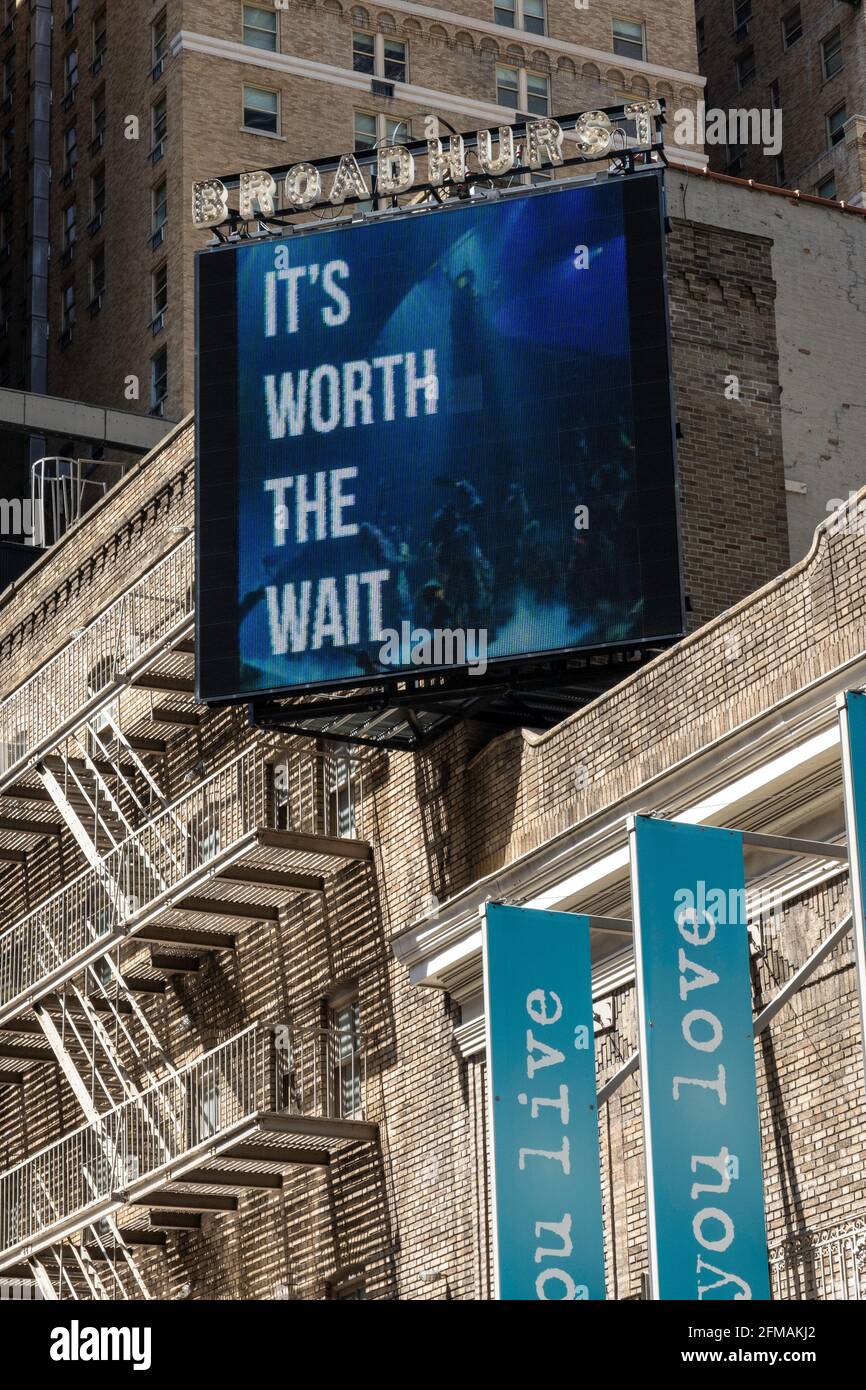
{"x":775,"y":95}
{"x":159,"y":198}
{"x":520,"y":14}
{"x":343,"y":797}
{"x":97,"y":121}
{"x":353,"y":1292}
{"x":629,"y":39}
{"x":831,"y":54}
{"x":380,"y":56}
{"x":363,"y":52}
{"x":70,"y":226}
{"x":97,"y":280}
{"x":366,"y":134}
{"x":159,"y":45}
{"x":159,"y":382}
{"x":70,"y":151}
{"x":70,"y":71}
{"x":745,"y":69}
{"x":507,"y":86}
{"x":97,"y":198}
{"x":371,"y":131}
{"x":522,"y":91}
{"x":158,"y":128}
{"x":346,"y":1057}
{"x":99,"y":40}
{"x":261,"y":110}
{"x":702,"y":34}
{"x":71,"y":8}
{"x":827,"y":187}
{"x":792,"y":27}
{"x":159,"y":297}
{"x":836,"y":125}
{"x":8,"y":150}
{"x":260,"y":28}
{"x":735,"y":159}
{"x":742,"y":15}
{"x":68,"y":302}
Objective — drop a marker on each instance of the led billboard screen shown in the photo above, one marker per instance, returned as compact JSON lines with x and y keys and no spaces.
{"x":436,"y":442}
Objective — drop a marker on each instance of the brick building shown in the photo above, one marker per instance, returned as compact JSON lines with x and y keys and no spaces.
{"x":807,"y":60}
{"x":110,"y":111}
{"x":241,"y":1030}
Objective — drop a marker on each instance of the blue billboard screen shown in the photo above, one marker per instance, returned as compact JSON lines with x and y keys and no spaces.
{"x":436,"y":442}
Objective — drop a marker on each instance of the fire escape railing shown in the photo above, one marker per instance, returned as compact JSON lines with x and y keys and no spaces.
{"x":139,"y":876}
{"x":87,"y":671}
{"x":231,"y":1083}
{"x":101,"y":901}
{"x":264,"y":1069}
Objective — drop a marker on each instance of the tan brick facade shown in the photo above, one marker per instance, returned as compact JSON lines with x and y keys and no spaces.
{"x":202,"y":83}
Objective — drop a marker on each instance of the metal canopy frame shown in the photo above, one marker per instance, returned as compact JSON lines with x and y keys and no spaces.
{"x":537,"y":696}
{"x":793,"y":845}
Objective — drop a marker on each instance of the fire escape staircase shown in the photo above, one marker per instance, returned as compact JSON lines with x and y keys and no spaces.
{"x":162,"y":1146}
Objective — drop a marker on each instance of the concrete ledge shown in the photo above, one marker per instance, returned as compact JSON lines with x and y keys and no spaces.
{"x":91,"y":424}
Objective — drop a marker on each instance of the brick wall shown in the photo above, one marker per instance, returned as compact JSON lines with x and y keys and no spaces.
{"x":807,"y":96}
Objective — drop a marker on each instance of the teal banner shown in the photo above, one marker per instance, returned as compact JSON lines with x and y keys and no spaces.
{"x":701,"y":1131}
{"x":852,"y":720}
{"x":548,"y":1235}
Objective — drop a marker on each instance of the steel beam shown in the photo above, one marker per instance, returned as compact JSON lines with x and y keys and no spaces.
{"x":187,"y":1201}
{"x":18,"y":1052}
{"x":273,"y":878}
{"x":790,"y":844}
{"x":621,"y":925}
{"x":176,"y":1220}
{"x":219,"y":907}
{"x":16,"y":826}
{"x":153,"y":680}
{"x":316,"y":844}
{"x":278,"y":1155}
{"x":160,"y":714}
{"x":761,"y":1020}
{"x":799,"y":978}
{"x":88,"y":424}
{"x":234,"y":1177}
{"x":175,"y":965}
{"x":188,"y":936}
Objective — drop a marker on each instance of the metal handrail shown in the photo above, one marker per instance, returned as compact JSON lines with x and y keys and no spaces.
{"x":264,"y":1068}
{"x":159,"y":855}
{"x":154,"y":860}
{"x":226,"y":1085}
{"x":87,"y":671}
{"x":827,"y":1263}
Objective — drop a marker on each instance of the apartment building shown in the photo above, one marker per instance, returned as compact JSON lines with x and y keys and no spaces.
{"x":111,"y":110}
{"x":806,"y":60}
{"x":241,"y":1025}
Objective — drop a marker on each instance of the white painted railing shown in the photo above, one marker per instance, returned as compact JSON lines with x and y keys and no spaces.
{"x":172,"y":848}
{"x":266,"y":1068}
{"x":827,"y":1264}
{"x":89,"y":1166}
{"x":94,"y":664}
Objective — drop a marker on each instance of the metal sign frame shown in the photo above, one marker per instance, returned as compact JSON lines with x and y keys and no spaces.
{"x":648,"y":117}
